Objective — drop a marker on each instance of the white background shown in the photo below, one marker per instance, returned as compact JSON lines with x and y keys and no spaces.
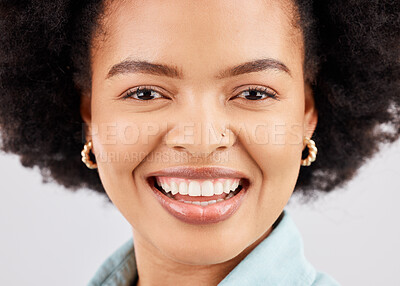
{"x":51,"y":236}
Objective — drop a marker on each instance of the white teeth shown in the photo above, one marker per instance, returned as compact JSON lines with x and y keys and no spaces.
{"x":207,"y":189}
{"x":235,"y":185}
{"x":166,"y":187}
{"x":198,"y":188}
{"x":227,"y":186}
{"x":183,"y":188}
{"x":194,"y":189}
{"x":229,"y":196}
{"x":204,"y":203}
{"x":174,"y":188}
{"x":218,"y":188}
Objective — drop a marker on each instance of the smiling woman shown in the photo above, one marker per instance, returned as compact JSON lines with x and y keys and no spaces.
{"x":253,"y":81}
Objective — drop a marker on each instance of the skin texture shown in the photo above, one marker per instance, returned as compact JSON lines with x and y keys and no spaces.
{"x":263,"y":138}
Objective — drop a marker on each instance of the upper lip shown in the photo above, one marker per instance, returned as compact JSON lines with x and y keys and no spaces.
{"x":208,"y":172}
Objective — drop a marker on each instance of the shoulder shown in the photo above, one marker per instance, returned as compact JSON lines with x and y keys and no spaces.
{"x":119,"y":269}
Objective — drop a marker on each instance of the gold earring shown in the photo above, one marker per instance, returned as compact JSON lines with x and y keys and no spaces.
{"x":85,"y":155}
{"x":312,"y":152}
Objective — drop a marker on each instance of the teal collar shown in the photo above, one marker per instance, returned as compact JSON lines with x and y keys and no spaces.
{"x":277,"y":260}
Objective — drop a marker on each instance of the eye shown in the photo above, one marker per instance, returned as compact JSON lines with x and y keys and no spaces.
{"x":142,"y":93}
{"x":258,"y":93}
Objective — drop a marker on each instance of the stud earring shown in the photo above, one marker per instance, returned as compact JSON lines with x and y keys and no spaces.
{"x":312,"y":152}
{"x":85,"y":155}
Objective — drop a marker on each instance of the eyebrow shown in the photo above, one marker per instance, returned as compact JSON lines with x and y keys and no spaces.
{"x":255,"y":66}
{"x":134,"y":66}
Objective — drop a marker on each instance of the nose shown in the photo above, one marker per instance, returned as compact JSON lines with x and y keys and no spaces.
{"x":200,"y":139}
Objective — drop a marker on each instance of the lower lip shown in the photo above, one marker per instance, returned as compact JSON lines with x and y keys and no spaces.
{"x":195,"y":214}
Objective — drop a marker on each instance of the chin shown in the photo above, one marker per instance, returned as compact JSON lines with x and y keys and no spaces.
{"x":203,"y":254}
{"x":203,"y":247}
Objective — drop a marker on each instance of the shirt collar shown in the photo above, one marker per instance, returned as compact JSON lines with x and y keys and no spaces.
{"x":278,"y":260}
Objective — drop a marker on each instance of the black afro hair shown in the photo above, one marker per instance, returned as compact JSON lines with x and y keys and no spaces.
{"x":352,"y":62}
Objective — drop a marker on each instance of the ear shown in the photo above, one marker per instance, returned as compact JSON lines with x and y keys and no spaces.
{"x":86,"y":114}
{"x":310,"y":112}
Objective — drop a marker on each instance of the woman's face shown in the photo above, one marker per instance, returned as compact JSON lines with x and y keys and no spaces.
{"x":203,"y":92}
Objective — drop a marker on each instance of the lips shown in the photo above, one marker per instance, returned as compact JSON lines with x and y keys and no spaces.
{"x":201,"y":214}
{"x":209,"y":172}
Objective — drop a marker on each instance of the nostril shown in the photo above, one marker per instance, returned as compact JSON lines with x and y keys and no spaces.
{"x":179,"y":148}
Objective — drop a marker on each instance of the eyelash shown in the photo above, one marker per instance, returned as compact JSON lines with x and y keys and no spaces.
{"x":136,"y":90}
{"x":268,"y":92}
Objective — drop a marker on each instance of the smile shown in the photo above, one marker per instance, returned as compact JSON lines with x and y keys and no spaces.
{"x":199,"y":192}
{"x":199,"y":201}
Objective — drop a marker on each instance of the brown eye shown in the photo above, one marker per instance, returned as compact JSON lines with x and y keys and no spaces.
{"x":142,"y":93}
{"x":259,"y":93}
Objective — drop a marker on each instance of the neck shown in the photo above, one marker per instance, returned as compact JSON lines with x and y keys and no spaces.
{"x":153,"y":266}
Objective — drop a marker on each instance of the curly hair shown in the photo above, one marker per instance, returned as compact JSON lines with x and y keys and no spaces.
{"x":352,"y":62}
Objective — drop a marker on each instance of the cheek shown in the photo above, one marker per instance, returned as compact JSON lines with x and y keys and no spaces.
{"x":282,"y":154}
{"x":281,"y":165}
{"x":276,"y":147}
{"x":121,"y":141}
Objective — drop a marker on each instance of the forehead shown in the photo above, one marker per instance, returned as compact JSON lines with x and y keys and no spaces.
{"x":210,"y":32}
